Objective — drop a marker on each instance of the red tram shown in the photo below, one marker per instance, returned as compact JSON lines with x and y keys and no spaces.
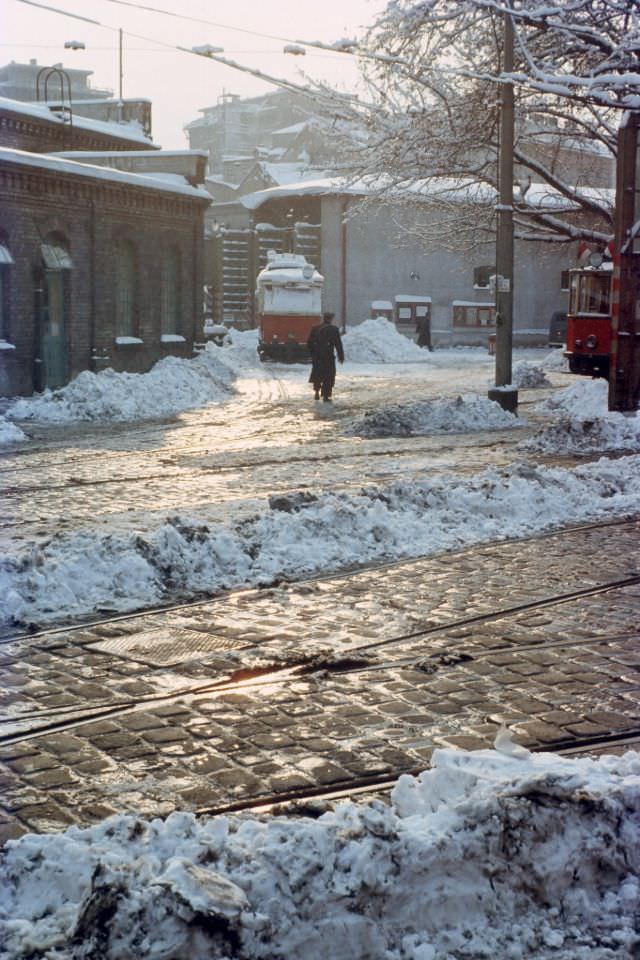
{"x":589,"y":321}
{"x":289,"y":304}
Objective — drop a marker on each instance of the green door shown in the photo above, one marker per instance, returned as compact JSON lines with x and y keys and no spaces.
{"x":53,"y":346}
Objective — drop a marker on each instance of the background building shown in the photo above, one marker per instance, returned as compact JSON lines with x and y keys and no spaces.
{"x":101,"y":248}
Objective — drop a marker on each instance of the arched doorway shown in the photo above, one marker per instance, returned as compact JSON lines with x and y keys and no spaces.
{"x":52,"y":297}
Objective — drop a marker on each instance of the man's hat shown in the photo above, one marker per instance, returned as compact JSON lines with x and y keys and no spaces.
{"x":328,"y":317}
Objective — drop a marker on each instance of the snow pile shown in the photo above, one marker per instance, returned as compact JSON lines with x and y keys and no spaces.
{"x":462,"y":415}
{"x":612,"y":433}
{"x":378,"y":341}
{"x":584,"y":398}
{"x":556,"y":361}
{"x":72,"y":575}
{"x":585,"y":426}
{"x":240,"y":350}
{"x":528,"y":376}
{"x":10,"y":433}
{"x":171,"y":386}
{"x":484,"y":855}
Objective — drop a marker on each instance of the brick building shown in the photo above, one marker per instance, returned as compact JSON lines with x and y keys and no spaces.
{"x":99,"y":267}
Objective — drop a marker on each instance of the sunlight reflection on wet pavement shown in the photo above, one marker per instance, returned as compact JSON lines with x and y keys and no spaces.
{"x":223,"y":461}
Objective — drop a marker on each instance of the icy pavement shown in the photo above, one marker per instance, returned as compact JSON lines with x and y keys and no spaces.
{"x":299,"y":535}
{"x":154,"y":513}
{"x":488,"y":854}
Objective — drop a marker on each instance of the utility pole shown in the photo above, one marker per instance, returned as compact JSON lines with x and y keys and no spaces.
{"x":503,"y":393}
{"x":120,"y":64}
{"x":624,"y":366}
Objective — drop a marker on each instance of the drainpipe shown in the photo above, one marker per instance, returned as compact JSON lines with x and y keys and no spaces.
{"x":343,"y":264}
{"x":99,"y":358}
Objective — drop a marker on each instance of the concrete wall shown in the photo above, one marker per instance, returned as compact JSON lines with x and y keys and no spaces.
{"x":379,"y":268}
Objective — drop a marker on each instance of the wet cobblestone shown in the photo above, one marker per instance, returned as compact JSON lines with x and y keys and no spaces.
{"x":554,"y":674}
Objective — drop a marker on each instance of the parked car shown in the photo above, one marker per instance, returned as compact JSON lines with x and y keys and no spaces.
{"x":558,"y":329}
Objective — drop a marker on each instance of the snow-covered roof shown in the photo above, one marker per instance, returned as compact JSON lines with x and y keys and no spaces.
{"x":88,"y":154}
{"x":284,"y":173}
{"x":294,"y":128}
{"x":125,"y":131}
{"x":444,"y":189}
{"x":472,"y":303}
{"x":166,"y":182}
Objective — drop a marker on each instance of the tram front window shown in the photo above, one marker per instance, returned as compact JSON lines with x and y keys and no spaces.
{"x":590,"y":293}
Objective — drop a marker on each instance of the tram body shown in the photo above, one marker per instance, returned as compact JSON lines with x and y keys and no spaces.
{"x":589,"y":322}
{"x":289,"y":304}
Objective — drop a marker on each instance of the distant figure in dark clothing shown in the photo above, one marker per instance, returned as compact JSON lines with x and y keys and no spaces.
{"x":423,"y":327}
{"x":324,"y":343}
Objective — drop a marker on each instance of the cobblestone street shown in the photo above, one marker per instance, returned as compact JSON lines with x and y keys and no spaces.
{"x":324,"y":684}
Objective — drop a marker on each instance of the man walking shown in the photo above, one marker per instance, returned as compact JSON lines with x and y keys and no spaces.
{"x":324,"y":343}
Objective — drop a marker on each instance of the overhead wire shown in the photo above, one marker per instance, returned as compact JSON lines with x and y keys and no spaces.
{"x":350,"y":48}
{"x":215,"y":57}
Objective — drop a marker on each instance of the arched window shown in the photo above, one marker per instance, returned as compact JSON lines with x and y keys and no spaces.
{"x":125,"y":289}
{"x":170,"y":292}
{"x":6,"y":261}
{"x":53,"y":292}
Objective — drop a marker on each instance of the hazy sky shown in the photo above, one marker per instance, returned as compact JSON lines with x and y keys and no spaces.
{"x":179,"y":84}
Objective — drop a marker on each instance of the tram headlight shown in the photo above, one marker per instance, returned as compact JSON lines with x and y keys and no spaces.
{"x":591,"y":342}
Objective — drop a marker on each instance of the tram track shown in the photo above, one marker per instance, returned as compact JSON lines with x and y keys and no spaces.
{"x":203,"y":601}
{"x":313,"y":801}
{"x":351,"y":661}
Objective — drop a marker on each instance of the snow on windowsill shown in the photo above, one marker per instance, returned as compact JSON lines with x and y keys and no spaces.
{"x":125,"y":341}
{"x":172,"y":338}
{"x":5,"y":345}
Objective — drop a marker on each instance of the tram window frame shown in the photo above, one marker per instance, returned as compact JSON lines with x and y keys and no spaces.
{"x":590,"y":294}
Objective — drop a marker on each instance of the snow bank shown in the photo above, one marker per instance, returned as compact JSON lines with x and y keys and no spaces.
{"x":584,"y":398}
{"x":528,"y":376}
{"x":171,"y":386}
{"x":585,"y":426}
{"x":465,"y":414}
{"x":240,"y":351}
{"x":613,"y":433}
{"x":484,"y":855}
{"x":73,"y":574}
{"x":378,"y":341}
{"x":10,"y":433}
{"x":555,"y":360}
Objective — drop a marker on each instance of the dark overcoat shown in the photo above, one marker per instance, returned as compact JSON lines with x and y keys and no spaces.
{"x":324,"y":343}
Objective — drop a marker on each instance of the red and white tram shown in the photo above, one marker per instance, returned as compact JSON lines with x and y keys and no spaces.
{"x":289,"y":304}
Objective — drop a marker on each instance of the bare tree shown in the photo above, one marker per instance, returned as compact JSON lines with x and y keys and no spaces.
{"x":427,"y":126}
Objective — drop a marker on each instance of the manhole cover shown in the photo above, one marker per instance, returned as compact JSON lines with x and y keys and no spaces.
{"x":163,"y":647}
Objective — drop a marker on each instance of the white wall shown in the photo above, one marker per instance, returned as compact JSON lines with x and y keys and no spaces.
{"x":378,"y":268}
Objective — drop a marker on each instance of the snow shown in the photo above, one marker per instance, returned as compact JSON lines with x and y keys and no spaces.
{"x":528,"y":376}
{"x":124,"y":130}
{"x":59,"y":165}
{"x":183,"y":556}
{"x":171,"y":386}
{"x":462,"y":415}
{"x":584,"y":398}
{"x":586,"y":426}
{"x":487,"y":854}
{"x":410,"y":298}
{"x":377,"y":341}
{"x":10,"y":433}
